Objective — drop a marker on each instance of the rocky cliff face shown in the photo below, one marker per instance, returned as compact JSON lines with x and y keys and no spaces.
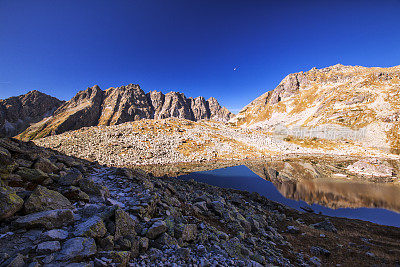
{"x":123,"y":104}
{"x":343,"y":100}
{"x":16,"y":113}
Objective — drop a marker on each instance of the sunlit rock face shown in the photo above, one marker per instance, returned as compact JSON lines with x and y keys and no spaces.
{"x":95,"y":107}
{"x":17,"y":113}
{"x":350,"y":102}
{"x":329,"y":184}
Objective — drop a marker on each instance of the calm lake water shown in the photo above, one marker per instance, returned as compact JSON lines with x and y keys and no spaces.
{"x":368,"y":202}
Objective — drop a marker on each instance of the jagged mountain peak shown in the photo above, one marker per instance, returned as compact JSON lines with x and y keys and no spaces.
{"x":117,"y":105}
{"x":18,"y":112}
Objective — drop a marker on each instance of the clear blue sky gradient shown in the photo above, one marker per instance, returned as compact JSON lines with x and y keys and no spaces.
{"x":61,"y":47}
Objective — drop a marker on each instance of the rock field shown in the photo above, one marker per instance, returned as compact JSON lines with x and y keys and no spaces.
{"x":176,"y":140}
{"x":56,"y":210}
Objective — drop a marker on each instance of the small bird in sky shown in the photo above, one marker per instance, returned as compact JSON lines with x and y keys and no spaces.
{"x":236,"y":68}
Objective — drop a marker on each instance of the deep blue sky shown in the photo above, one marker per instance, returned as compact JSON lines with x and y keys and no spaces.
{"x":61,"y":47}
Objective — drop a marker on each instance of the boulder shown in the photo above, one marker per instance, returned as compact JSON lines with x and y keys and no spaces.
{"x":16,"y":261}
{"x":71,"y":178}
{"x":5,"y":160}
{"x":74,"y":193}
{"x":4,"y":152}
{"x":123,"y":244}
{"x":43,"y":199}
{"x":24,"y":163}
{"x":45,"y":165}
{"x":186,"y":232}
{"x":90,"y":187}
{"x":234,"y":247}
{"x":325,"y":225}
{"x":46,"y":219}
{"x":143,"y":243}
{"x":10,"y":202}
{"x":156,"y":229}
{"x":218,"y":207}
{"x":124,"y":224}
{"x":77,"y":248}
{"x":32,"y":175}
{"x":315,"y":250}
{"x":164,"y":240}
{"x":13,"y":180}
{"x":94,"y":227}
{"x":107,"y":243}
{"x":55,"y":234}
{"x":48,"y":247}
{"x":200,"y":206}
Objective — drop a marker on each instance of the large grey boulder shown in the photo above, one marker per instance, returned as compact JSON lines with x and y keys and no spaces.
{"x":74,"y":193}
{"x":10,"y":202}
{"x":46,"y":219}
{"x":92,"y":188}
{"x":48,"y":247}
{"x":218,"y":207}
{"x":32,"y":175}
{"x":16,"y":261}
{"x":45,"y":165}
{"x":187,"y":232}
{"x":93,"y":227}
{"x":71,"y":178}
{"x":77,"y":248}
{"x":55,"y":234}
{"x":325,"y":225}
{"x":124,"y":225}
{"x":156,"y":229}
{"x":43,"y":199}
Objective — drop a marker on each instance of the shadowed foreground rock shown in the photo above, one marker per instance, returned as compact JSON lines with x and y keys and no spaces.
{"x":129,"y":218}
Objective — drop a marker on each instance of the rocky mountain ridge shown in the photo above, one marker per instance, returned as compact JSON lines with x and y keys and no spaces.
{"x":94,"y":107}
{"x":336,"y":99}
{"x":18,"y":112}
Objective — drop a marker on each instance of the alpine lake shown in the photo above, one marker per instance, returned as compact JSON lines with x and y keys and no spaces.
{"x":318,"y":185}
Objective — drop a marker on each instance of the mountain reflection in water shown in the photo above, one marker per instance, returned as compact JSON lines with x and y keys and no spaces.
{"x":314,"y":186}
{"x":317,"y":184}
